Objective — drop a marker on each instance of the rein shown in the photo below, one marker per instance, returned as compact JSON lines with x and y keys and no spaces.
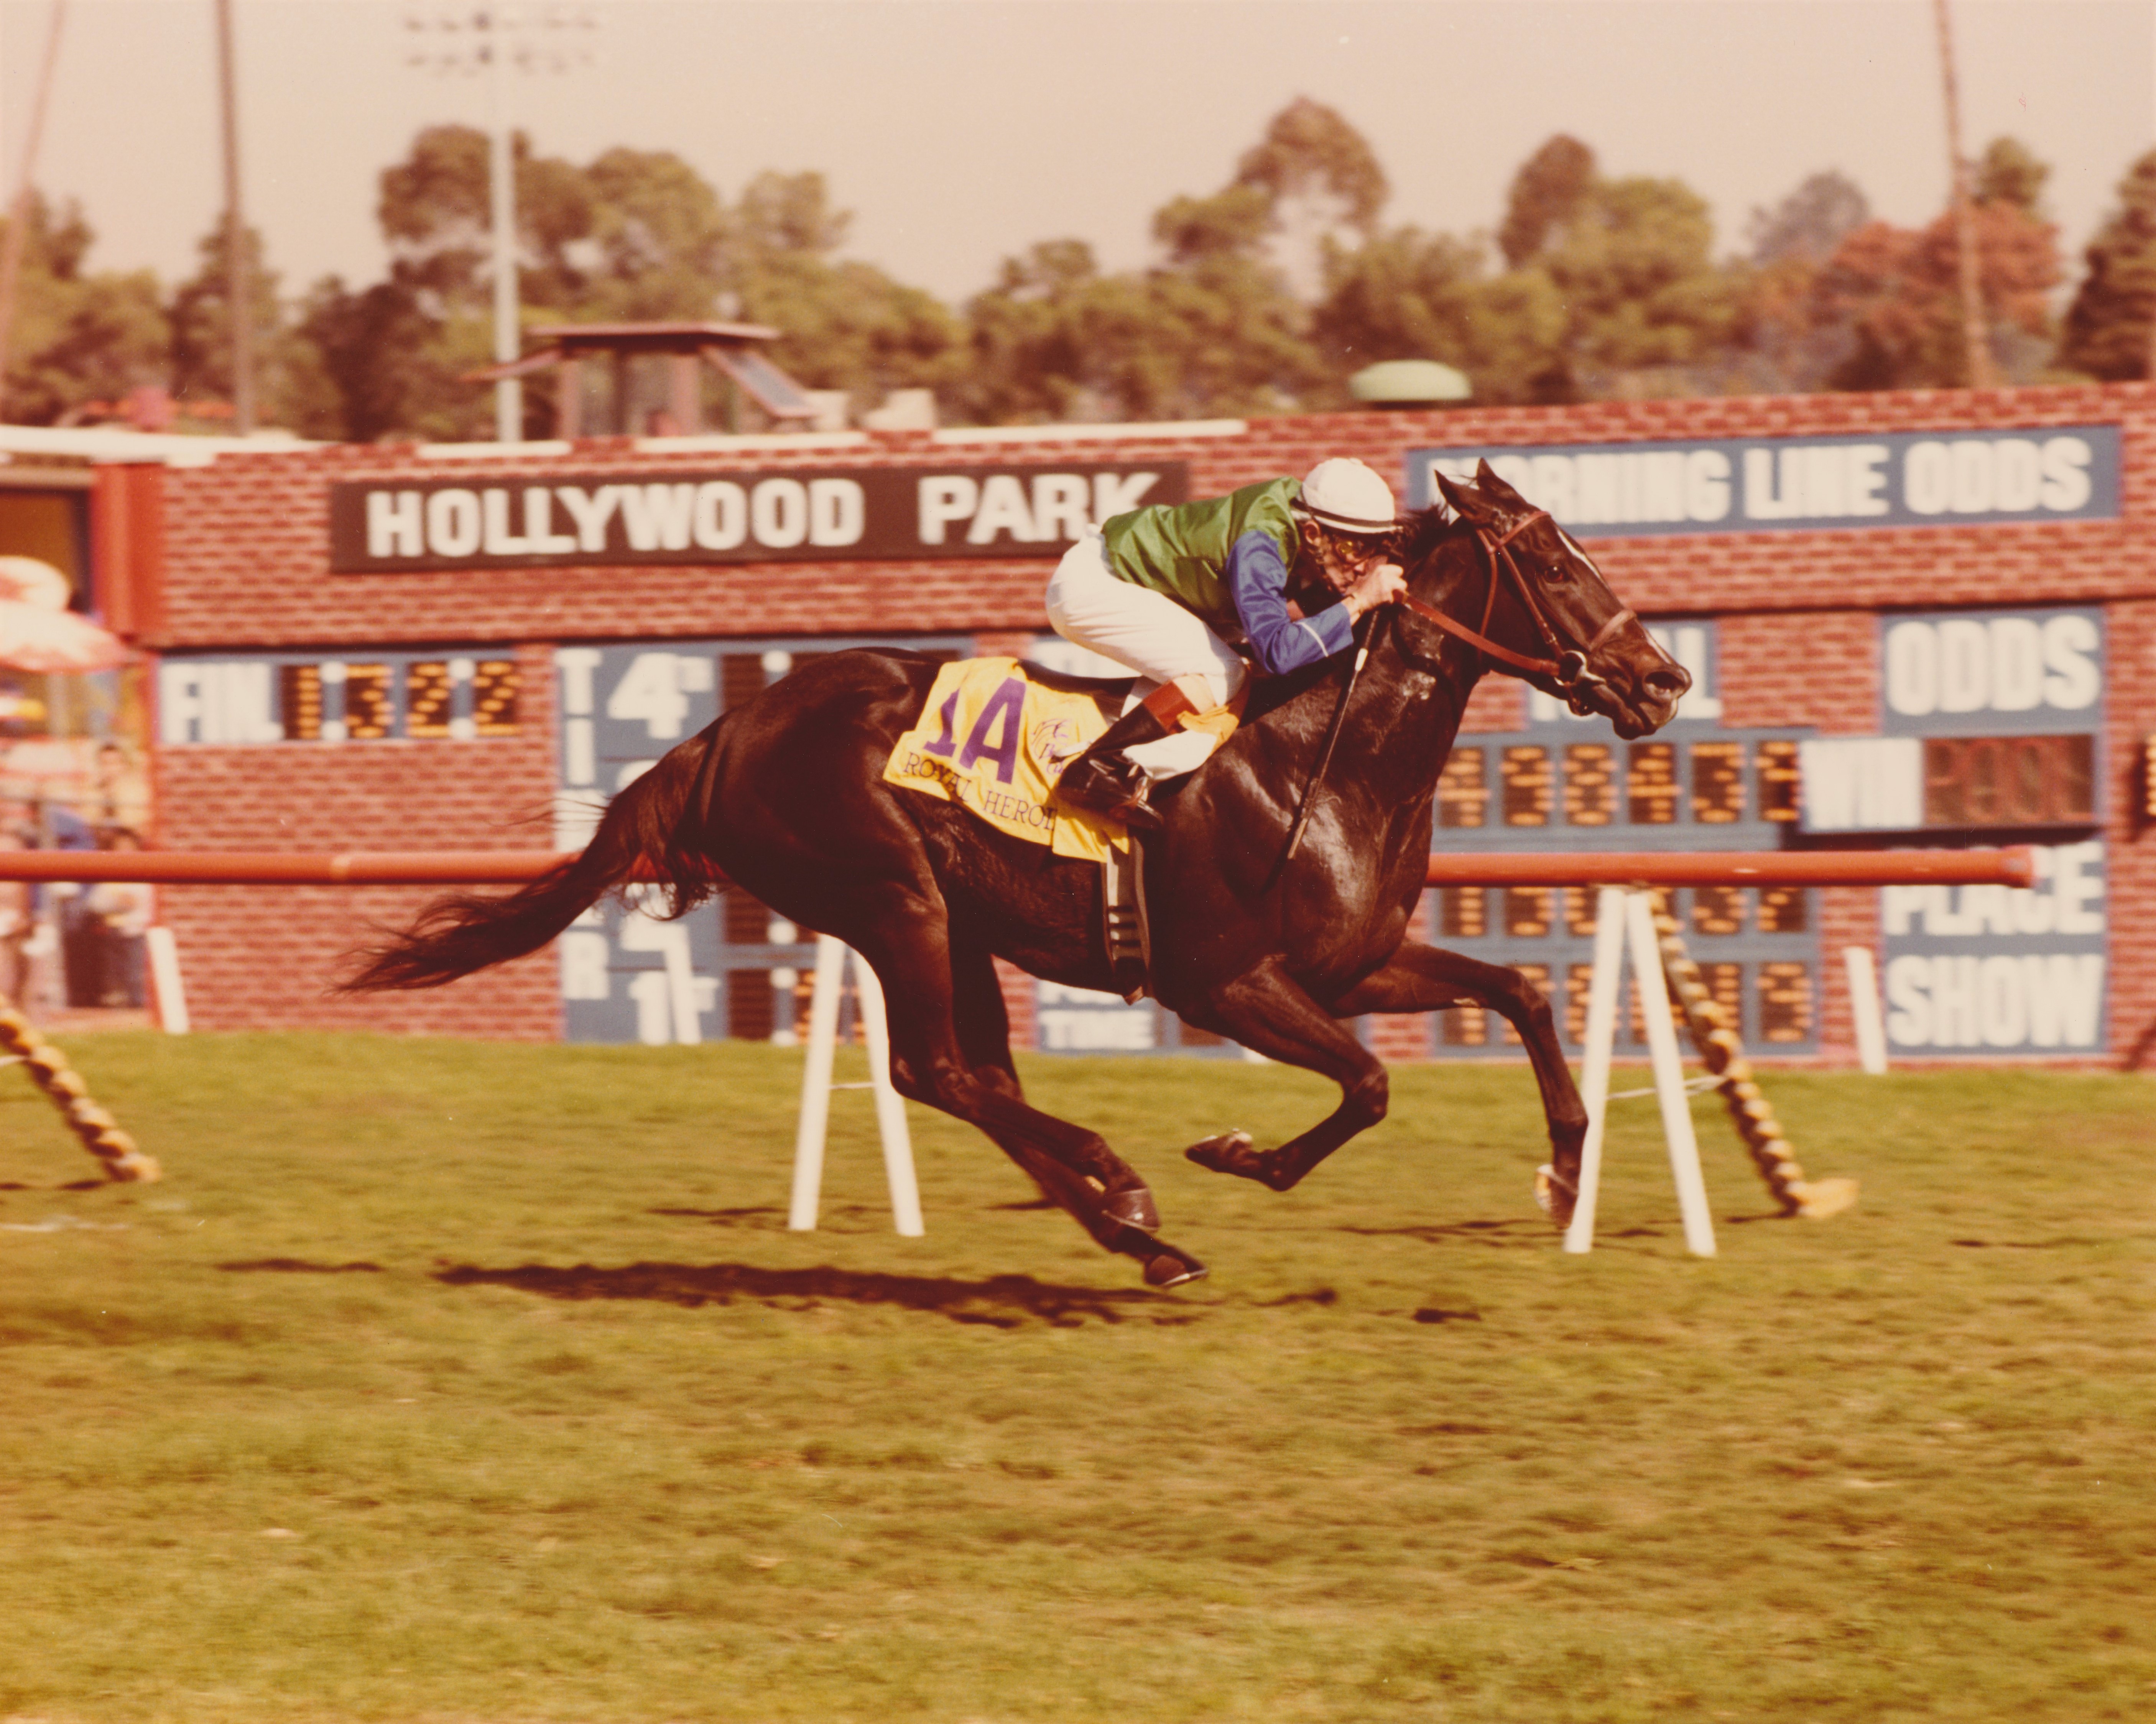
{"x":1565,"y":666}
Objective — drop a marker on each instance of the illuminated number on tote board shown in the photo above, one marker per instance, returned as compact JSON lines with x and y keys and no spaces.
{"x":1566,"y":783}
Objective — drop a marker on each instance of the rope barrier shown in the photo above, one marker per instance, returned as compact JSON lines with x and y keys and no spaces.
{"x":100,"y":1132}
{"x":1722,"y":1053}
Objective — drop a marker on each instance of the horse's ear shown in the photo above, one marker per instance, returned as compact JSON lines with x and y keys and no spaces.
{"x":1465,"y":502}
{"x":1488,"y":482}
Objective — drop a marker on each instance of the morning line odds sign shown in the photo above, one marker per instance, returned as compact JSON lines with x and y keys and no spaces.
{"x":1893,"y":479}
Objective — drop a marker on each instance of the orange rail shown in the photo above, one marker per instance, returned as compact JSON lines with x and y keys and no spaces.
{"x":2010,"y":867}
{"x":2013,"y":867}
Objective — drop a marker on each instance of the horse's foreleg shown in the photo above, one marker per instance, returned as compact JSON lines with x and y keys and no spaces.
{"x":1422,"y":978}
{"x":1267,"y":1011}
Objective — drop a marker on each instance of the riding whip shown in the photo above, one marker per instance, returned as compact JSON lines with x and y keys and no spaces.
{"x":1332,"y":741}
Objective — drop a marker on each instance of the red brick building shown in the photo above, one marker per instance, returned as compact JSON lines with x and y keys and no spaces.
{"x":348,"y":661}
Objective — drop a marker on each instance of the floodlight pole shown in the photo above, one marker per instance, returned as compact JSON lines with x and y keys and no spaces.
{"x":1974,"y":337}
{"x":501,"y":186}
{"x":238,"y":285}
{"x":19,"y":207}
{"x":490,"y":25}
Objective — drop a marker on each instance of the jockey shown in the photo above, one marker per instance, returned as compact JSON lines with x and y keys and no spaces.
{"x":1155,"y":589}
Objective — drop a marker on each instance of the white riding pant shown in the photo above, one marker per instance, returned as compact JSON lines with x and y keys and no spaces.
{"x":1149,"y":632}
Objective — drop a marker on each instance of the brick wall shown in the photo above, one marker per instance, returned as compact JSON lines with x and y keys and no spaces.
{"x":245,"y":568}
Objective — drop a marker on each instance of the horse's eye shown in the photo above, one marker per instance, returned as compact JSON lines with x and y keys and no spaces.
{"x":1560,"y":571}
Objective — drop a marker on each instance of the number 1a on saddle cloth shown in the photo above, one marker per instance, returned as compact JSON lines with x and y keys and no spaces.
{"x":995,"y":740}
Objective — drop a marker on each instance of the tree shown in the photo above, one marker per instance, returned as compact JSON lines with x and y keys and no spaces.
{"x":1409,"y":295}
{"x":1321,"y":183}
{"x":1546,"y":194}
{"x":1212,"y":328}
{"x":636,"y":236}
{"x":2008,"y":173}
{"x":660,"y":234}
{"x":292,"y":388}
{"x":1808,"y":225}
{"x":1785,"y":339}
{"x":847,"y":324}
{"x":382,"y":356}
{"x":2111,"y":323}
{"x":1634,"y":266}
{"x":78,"y":337}
{"x":1644,"y":307}
{"x":1898,"y":289}
{"x":1036,"y":340}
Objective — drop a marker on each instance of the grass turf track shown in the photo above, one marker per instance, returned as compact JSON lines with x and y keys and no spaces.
{"x":446,"y":1382}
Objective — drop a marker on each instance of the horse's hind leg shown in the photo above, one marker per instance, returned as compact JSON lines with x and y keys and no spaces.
{"x":1422,"y":978}
{"x":950,"y":1050}
{"x":984,"y":1033}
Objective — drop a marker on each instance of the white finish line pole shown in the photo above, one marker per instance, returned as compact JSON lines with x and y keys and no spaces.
{"x":890,"y":1105}
{"x":1864,"y":1009}
{"x":816,"y":1084}
{"x":816,"y":1087}
{"x":1619,"y":912}
{"x":1669,"y":1076}
{"x":1595,"y":1073}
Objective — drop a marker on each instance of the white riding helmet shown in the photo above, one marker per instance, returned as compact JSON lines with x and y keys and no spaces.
{"x":1347,"y":497}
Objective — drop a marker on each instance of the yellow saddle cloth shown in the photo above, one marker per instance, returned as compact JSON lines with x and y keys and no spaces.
{"x":994,"y":739}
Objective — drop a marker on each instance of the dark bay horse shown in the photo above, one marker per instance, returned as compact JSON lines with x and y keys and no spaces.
{"x":784,"y":797}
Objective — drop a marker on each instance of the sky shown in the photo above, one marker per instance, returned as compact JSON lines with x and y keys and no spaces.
{"x":960,"y":132}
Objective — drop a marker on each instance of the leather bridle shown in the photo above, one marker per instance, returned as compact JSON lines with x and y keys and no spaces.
{"x":1565,"y":666}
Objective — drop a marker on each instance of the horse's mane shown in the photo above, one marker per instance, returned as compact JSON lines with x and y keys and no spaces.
{"x":1421,"y":531}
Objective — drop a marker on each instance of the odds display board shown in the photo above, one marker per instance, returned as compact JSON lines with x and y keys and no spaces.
{"x":729,"y":968}
{"x":1992,"y":732}
{"x":1570,"y":784}
{"x":461,"y":694}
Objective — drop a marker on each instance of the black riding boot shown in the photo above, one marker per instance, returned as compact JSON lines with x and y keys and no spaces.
{"x":1105,"y":781}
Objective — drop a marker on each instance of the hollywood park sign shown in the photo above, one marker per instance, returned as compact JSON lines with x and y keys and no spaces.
{"x":796,"y":515}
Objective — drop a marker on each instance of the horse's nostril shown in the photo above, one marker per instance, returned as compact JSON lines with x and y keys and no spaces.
{"x":1670,"y":681}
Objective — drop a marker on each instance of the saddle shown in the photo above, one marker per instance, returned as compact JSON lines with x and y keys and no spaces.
{"x":993,"y":737}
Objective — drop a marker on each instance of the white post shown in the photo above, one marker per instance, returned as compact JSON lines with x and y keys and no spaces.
{"x":890,"y":1105}
{"x":1595,"y":1069}
{"x":1669,"y":1075}
{"x":163,"y":952}
{"x":816,"y":1084}
{"x":816,"y":1087}
{"x":1864,"y":1009}
{"x":681,"y":985}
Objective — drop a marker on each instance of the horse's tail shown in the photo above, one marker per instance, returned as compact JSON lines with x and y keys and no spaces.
{"x":639,"y":837}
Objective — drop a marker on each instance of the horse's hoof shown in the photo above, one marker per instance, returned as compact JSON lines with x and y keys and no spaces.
{"x":1230,"y":1153}
{"x":1133,"y":1207}
{"x":1173,"y":1269}
{"x":1555,"y":1194}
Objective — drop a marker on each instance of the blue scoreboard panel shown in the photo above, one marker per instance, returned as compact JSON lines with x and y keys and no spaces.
{"x":729,"y":968}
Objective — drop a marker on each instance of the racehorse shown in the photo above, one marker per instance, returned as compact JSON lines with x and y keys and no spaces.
{"x":784,"y":797}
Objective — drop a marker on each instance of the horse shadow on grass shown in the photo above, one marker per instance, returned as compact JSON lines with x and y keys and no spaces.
{"x":1000,"y":1301}
{"x":1534,"y":1234}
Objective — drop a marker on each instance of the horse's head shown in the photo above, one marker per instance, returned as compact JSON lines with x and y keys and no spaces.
{"x":1548,"y":610}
